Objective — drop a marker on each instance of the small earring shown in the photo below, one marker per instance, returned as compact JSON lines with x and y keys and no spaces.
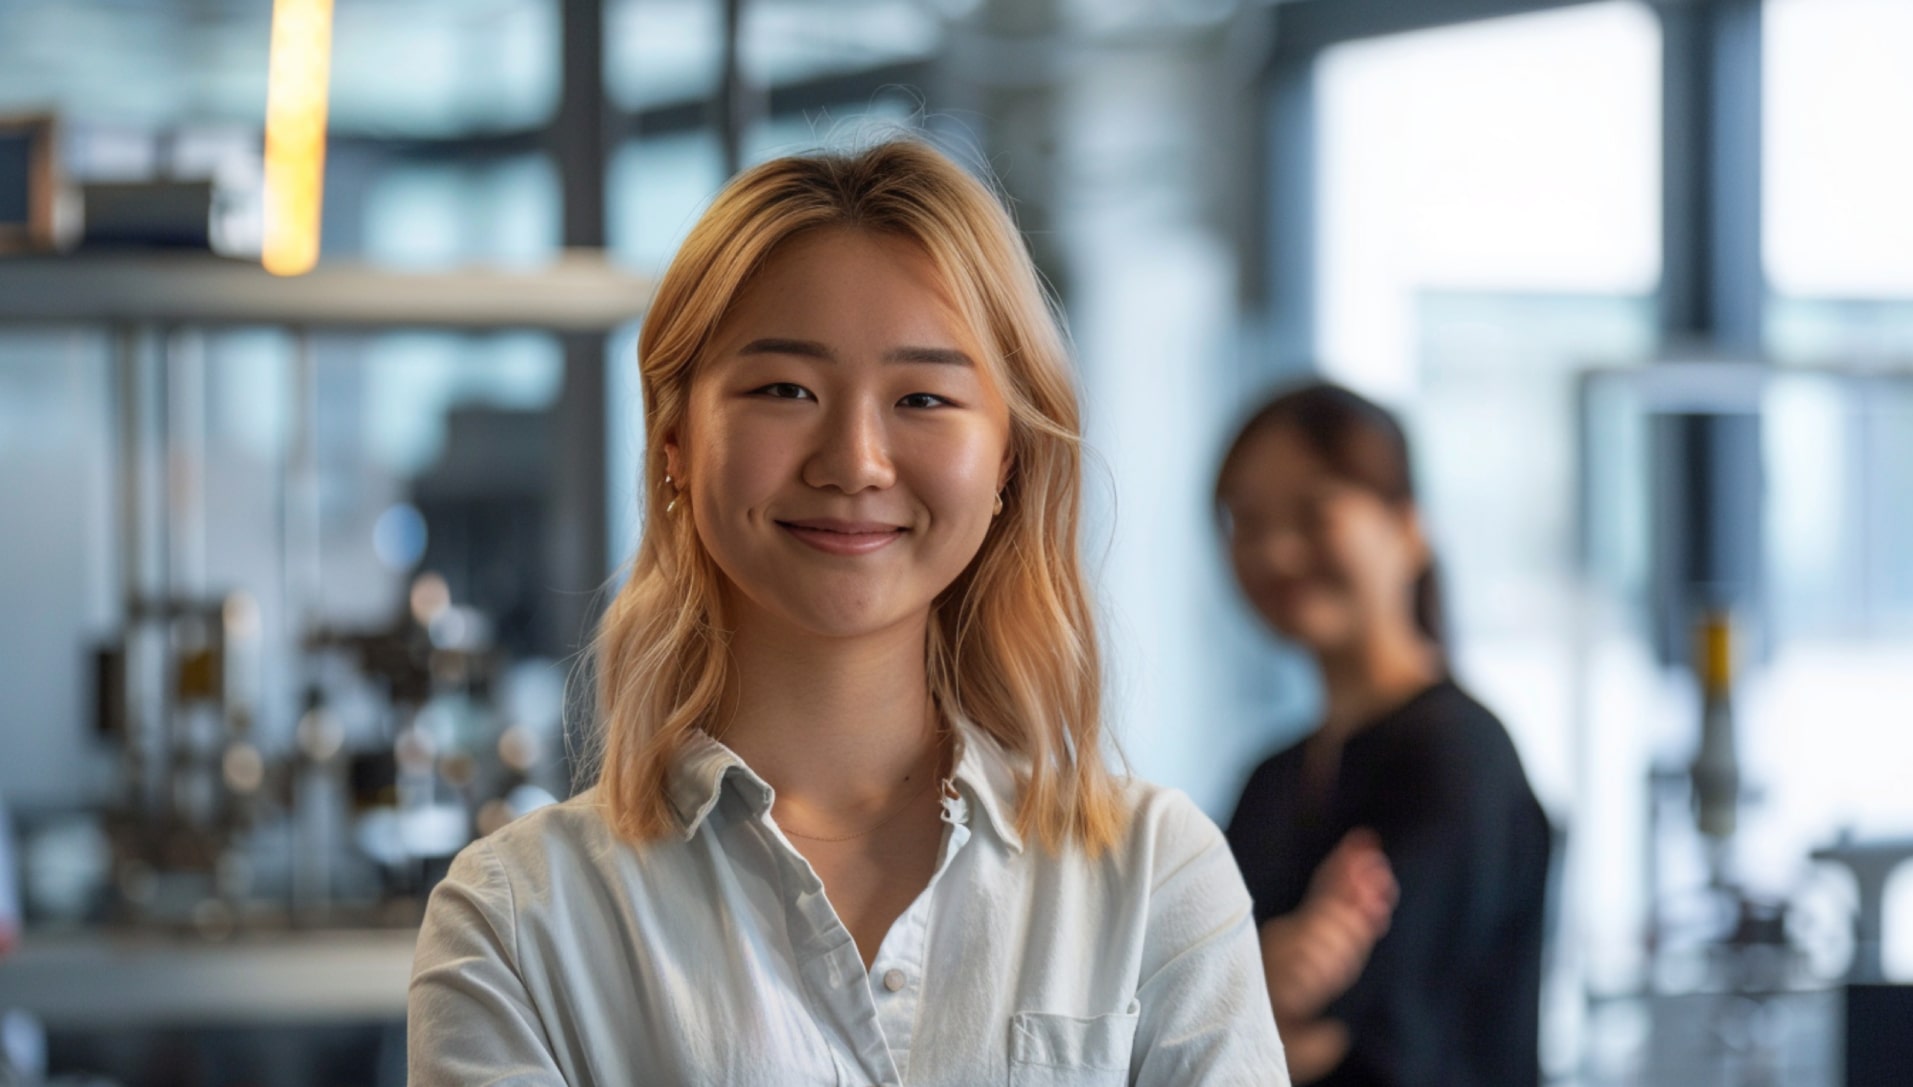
{"x":673,"y":503}
{"x":999,"y":505}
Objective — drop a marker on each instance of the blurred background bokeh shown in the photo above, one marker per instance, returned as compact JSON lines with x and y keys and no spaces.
{"x":295,"y":571}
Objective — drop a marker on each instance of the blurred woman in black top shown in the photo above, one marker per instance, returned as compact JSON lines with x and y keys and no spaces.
{"x":1397,"y":857}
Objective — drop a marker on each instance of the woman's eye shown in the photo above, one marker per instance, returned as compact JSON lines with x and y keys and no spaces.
{"x":784,"y":390}
{"x":923,"y":400}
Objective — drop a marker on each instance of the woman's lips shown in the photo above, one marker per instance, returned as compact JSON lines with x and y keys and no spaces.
{"x":1286,"y":596}
{"x":843,"y":537}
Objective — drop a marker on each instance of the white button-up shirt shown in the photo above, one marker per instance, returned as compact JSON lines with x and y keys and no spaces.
{"x":556,"y":953}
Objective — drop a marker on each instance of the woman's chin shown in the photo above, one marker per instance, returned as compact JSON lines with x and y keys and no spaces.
{"x":840,"y":620}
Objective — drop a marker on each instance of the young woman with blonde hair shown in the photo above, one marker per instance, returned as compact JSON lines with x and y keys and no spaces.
{"x":852,"y":822}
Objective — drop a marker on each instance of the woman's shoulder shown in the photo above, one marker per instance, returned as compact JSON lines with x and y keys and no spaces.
{"x":555,"y":843}
{"x":1146,"y":801}
{"x":1446,"y":747}
{"x":1448,"y":722}
{"x":567,"y":825}
{"x":1163,"y":827}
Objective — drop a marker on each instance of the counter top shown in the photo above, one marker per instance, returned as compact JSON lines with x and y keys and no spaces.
{"x":118,"y":980}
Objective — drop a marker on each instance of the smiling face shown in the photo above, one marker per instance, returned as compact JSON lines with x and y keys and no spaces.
{"x":843,"y":443}
{"x":1323,"y":559}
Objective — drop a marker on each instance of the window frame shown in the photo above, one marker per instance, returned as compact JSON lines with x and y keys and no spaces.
{"x":1712,"y":288}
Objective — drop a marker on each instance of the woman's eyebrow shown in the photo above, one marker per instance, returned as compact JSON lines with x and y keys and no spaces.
{"x":945,"y":356}
{"x":776,"y":346}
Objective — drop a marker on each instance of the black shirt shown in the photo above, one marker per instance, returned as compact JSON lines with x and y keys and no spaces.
{"x":1450,"y":996}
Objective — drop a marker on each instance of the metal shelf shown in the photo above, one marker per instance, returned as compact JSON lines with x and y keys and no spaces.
{"x":581,"y":292}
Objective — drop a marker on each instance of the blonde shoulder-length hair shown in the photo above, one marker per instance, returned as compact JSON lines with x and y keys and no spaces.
{"x":1012,"y":644}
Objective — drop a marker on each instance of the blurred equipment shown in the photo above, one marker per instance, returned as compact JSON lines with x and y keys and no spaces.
{"x":1715,"y":772}
{"x":346,"y":808}
{"x":29,"y":183}
{"x":1872,"y":864}
{"x":1687,"y":471}
{"x":149,"y":214}
{"x":294,"y":731}
{"x":1760,"y":1040}
{"x":1707,"y":560}
{"x":176,"y":685}
{"x":413,"y":794}
{"x":193,"y":775}
{"x":299,"y":716}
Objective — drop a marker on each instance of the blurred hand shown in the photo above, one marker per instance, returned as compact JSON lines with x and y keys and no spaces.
{"x":1313,"y":1049}
{"x":1314,"y":954}
{"x":9,"y":938}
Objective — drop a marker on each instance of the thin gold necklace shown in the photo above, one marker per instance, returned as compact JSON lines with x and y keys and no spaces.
{"x":902,"y":806}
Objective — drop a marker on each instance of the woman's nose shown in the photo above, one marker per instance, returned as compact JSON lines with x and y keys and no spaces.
{"x":1280,"y":549}
{"x":853,"y":450}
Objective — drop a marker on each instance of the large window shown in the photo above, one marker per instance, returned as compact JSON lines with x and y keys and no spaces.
{"x":1489,"y":202}
{"x":424,"y":68}
{"x":1488,"y":199}
{"x":1489,"y":228}
{"x":1838,"y":166}
{"x":662,"y":52}
{"x":1838,"y":224}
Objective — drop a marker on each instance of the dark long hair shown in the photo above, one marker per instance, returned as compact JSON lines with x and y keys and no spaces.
{"x":1363,"y":443}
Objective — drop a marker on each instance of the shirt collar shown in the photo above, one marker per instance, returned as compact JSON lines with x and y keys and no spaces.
{"x":697,"y":778}
{"x":989,"y":776}
{"x":985,"y":775}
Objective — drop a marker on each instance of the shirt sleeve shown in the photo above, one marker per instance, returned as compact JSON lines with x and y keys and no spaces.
{"x":1204,"y":1016}
{"x":469,"y":1020}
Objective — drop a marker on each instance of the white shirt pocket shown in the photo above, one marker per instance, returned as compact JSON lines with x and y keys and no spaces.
{"x":1049,"y":1050}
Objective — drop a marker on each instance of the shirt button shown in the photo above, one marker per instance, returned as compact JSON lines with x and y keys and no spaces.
{"x":894,"y":980}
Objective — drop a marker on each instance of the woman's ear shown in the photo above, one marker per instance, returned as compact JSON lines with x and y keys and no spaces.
{"x":673,"y":461}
